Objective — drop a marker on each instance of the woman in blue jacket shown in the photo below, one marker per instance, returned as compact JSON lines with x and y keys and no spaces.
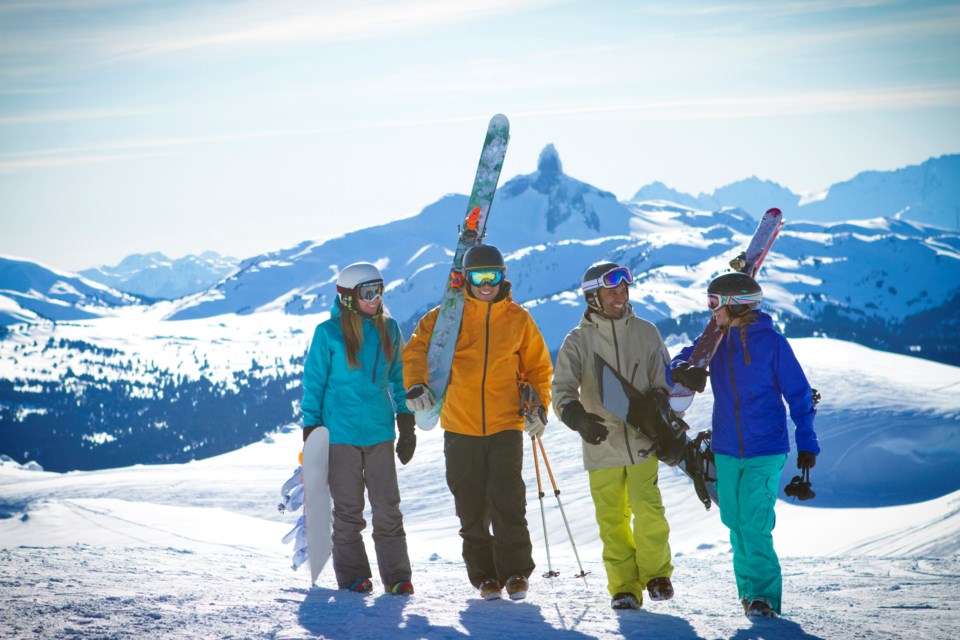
{"x":752,"y":372}
{"x":353,"y":386}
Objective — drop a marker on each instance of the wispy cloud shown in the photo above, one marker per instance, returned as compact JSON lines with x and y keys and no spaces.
{"x":73,"y":116}
{"x":707,"y":109}
{"x":823,"y":102}
{"x":315,"y":24}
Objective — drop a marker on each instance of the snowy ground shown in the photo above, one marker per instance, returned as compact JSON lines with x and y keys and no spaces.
{"x":194,"y":551}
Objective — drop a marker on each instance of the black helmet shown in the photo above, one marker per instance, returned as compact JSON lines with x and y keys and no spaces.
{"x":738,"y":291}
{"x":483,"y":256}
{"x":602,"y":275}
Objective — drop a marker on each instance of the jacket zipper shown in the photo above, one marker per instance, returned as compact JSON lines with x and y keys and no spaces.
{"x":616,"y":350}
{"x":736,"y":398}
{"x":483,"y":380}
{"x":376,"y":361}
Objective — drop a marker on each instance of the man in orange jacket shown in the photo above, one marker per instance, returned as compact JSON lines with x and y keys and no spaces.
{"x":483,"y":429}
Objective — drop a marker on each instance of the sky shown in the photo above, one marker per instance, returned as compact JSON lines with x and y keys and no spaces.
{"x":243,"y":127}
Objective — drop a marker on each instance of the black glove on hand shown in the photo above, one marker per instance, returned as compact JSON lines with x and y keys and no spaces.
{"x":806,"y":460}
{"x":588,"y":425}
{"x":407,"y":440}
{"x":694,"y":378}
{"x":308,"y":430}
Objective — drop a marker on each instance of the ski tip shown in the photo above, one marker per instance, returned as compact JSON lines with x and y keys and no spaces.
{"x":499,"y":121}
{"x":773,"y":211}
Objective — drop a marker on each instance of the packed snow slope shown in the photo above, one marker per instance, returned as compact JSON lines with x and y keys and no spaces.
{"x":194,"y":551}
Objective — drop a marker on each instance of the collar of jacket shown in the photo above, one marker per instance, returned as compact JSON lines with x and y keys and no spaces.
{"x":506,"y":287}
{"x":337,"y":310}
{"x":597,"y":320}
{"x":763,"y":323}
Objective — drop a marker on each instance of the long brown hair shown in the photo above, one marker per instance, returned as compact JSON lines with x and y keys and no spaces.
{"x":351,"y":323}
{"x":748,"y":319}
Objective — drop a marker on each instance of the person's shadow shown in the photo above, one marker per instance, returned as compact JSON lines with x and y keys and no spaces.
{"x":338,"y":614}
{"x":768,"y":628}
{"x":519,"y":619}
{"x":647,"y":624}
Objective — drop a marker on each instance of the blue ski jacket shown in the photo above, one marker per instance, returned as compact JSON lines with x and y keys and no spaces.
{"x":749,"y":418}
{"x":358,"y":406}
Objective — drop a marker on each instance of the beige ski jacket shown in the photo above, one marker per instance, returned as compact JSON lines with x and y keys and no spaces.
{"x":635,"y":349}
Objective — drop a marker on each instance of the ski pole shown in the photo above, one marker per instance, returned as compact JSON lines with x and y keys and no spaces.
{"x":556,"y":492}
{"x":543,"y":516}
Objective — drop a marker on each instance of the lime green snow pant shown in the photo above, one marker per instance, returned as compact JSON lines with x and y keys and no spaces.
{"x":747,"y":488}
{"x":632,"y":555}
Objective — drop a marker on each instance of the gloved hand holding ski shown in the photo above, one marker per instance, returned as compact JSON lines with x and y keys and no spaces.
{"x":420,"y":398}
{"x":694,"y":378}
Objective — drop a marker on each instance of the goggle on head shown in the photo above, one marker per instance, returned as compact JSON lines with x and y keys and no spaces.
{"x":609,"y":280}
{"x":715,"y":300}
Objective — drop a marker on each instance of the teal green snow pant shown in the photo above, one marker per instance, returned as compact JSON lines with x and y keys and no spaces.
{"x":632,"y":555}
{"x":747,"y":488}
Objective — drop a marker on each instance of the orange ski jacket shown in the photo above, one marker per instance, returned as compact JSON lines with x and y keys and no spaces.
{"x":498,"y":341}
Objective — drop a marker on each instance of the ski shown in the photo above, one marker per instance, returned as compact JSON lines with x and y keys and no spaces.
{"x":749,"y":263}
{"x":472,"y":230}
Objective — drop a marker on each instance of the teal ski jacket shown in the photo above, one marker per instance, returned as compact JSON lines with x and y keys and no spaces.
{"x":358,"y":406}
{"x":749,"y":418}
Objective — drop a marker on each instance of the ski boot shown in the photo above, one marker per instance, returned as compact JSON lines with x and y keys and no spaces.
{"x":517,"y":587}
{"x":760,"y":608}
{"x":624,"y":601}
{"x":361,"y":585}
{"x":490,"y":589}
{"x":660,"y":589}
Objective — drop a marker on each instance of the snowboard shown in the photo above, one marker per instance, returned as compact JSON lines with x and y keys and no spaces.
{"x":443,"y":341}
{"x":749,"y":263}
{"x":669,"y":439}
{"x":316,"y":508}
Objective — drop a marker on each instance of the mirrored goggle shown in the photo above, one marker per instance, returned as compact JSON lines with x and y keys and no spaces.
{"x":490,"y":277}
{"x":370,"y":291}
{"x":715,"y":300}
{"x":610,"y":280}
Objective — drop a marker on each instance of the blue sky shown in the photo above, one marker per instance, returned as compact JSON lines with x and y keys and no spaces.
{"x":137,"y":125}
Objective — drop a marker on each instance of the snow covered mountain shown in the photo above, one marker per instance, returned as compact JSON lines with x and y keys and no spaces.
{"x":154,"y":275}
{"x":202,"y":375}
{"x":862,"y":280}
{"x":928,"y":193}
{"x":31,"y":292}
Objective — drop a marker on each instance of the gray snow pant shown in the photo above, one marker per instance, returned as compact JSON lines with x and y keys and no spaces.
{"x":351,"y":470}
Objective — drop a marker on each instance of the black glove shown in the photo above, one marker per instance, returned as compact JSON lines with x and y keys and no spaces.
{"x":806,"y":460}
{"x":693,"y":378}
{"x":308,"y":430}
{"x":407,"y":440}
{"x":588,"y":425}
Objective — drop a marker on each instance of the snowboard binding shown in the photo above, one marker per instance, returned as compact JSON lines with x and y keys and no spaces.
{"x":651,"y":416}
{"x":800,"y":487}
{"x":698,"y":458}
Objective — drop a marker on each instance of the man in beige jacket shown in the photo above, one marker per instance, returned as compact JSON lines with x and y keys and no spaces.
{"x":623,"y":481}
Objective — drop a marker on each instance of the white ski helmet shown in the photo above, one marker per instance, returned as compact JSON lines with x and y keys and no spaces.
{"x":354,"y":277}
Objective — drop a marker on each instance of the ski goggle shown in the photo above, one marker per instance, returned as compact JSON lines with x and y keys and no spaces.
{"x":370,"y":291}
{"x":610,"y":280}
{"x":491,"y":277}
{"x":715,"y":300}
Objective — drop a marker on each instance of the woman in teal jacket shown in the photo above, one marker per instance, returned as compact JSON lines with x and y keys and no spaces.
{"x":353,"y":386}
{"x":751,"y":374}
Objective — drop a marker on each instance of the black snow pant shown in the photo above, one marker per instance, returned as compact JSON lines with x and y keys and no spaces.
{"x":484,"y":474}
